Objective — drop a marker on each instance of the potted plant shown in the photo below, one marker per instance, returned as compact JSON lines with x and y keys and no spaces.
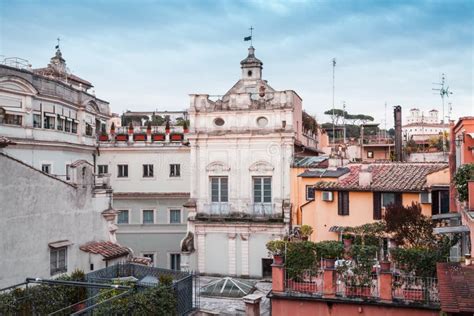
{"x":329,"y":251}
{"x":185,"y":127}
{"x":139,"y":137}
{"x":148,"y":129}
{"x":121,"y":137}
{"x":103,"y":137}
{"x":176,"y":137}
{"x":276,"y":248}
{"x":347,"y":239}
{"x":359,"y":281}
{"x":78,"y":293}
{"x":130,"y":128}
{"x":167,"y":127}
{"x":112,"y":129}
{"x":306,"y":231}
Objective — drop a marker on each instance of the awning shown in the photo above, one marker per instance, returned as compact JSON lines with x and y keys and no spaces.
{"x":60,"y":244}
{"x":446,"y":216}
{"x":337,"y":229}
{"x":451,"y":229}
{"x":50,"y":114}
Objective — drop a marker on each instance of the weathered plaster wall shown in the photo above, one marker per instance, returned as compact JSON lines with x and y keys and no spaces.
{"x":38,"y":209}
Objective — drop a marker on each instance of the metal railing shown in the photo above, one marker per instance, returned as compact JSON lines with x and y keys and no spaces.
{"x":305,"y":282}
{"x":418,"y":289}
{"x":357,"y":286}
{"x":217,"y":209}
{"x":262,"y":209}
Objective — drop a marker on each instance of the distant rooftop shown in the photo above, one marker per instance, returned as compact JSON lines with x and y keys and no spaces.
{"x":309,"y":161}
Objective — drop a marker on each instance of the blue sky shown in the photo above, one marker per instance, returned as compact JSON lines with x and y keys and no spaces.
{"x":145,"y":55}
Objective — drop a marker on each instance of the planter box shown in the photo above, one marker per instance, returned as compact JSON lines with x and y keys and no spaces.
{"x":121,"y":138}
{"x":413,"y":294}
{"x":139,"y":137}
{"x":359,"y":291}
{"x":159,"y":137}
{"x":176,"y":137}
{"x":103,"y":138}
{"x":277,"y":259}
{"x":303,"y":287}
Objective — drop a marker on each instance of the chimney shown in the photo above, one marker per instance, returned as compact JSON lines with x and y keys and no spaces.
{"x":365,"y":176}
{"x":397,"y":112}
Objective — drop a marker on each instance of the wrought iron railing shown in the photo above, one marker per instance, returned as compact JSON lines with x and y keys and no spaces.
{"x":304,"y":282}
{"x":418,"y":289}
{"x":357,"y":286}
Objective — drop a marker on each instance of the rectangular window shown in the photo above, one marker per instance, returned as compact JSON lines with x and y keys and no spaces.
{"x":147,"y":171}
{"x":74,"y":127}
{"x":49,"y":122}
{"x":67,"y":126}
{"x":58,"y":260}
{"x":46,"y":168}
{"x":150,"y":256}
{"x":37,"y":120}
{"x":175,"y":216}
{"x":262,"y":189}
{"x":60,"y":126}
{"x":309,"y":193}
{"x":103,"y":169}
{"x":68,"y":172}
{"x":387,"y":199}
{"x":122,"y":217}
{"x":13,"y":119}
{"x":148,"y":217}
{"x":377,"y":204}
{"x":219,"y":189}
{"x":343,"y":203}
{"x":122,"y":171}
{"x":88,"y":129}
{"x":175,"y":261}
{"x":439,"y":202}
{"x":175,"y":170}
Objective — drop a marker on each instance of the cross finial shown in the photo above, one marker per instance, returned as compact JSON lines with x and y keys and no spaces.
{"x":57,"y":46}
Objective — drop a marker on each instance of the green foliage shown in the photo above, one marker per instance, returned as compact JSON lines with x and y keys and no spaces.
{"x":461,"y":178}
{"x":306,"y":230}
{"x":126,"y":120}
{"x":368,"y":234}
{"x":300,"y":256}
{"x":166,"y":279}
{"x":157,"y":120}
{"x":408,"y":226}
{"x":309,"y":124}
{"x":276,"y":247}
{"x":112,"y":127}
{"x":360,"y":273}
{"x":419,"y":261}
{"x":329,"y":249}
{"x":182,"y":122}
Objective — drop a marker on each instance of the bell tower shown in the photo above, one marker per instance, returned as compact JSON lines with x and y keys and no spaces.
{"x":251,"y":66}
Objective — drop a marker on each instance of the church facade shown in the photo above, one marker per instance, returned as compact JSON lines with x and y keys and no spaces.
{"x":242,"y":146}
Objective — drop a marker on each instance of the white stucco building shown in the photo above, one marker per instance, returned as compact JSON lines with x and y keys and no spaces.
{"x":150,"y":177}
{"x":50,"y":114}
{"x":50,"y":226}
{"x":421,"y":128}
{"x":242,"y":146}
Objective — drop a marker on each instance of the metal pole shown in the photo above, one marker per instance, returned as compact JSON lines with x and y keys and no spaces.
{"x":333,"y":91}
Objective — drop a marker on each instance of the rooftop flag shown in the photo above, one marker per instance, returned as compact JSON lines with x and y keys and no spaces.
{"x":248,"y":38}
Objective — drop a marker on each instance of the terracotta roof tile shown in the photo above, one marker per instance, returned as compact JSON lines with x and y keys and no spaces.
{"x":456,"y":287}
{"x":106,"y":249}
{"x":393,"y":177}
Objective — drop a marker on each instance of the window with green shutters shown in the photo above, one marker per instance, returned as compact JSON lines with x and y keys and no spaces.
{"x":262,"y":189}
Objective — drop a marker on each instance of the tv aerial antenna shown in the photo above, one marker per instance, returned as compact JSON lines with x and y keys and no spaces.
{"x":443,"y":92}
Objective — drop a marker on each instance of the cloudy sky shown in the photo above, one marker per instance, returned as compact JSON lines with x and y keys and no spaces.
{"x":146,"y":55}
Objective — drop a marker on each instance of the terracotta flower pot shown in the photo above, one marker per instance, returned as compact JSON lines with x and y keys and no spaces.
{"x":121,"y":138}
{"x":159,"y":137}
{"x":329,"y":263}
{"x":347,"y":242}
{"x":413,"y":294}
{"x":385,"y":265}
{"x":139,"y":137}
{"x":186,"y":131}
{"x":277,"y":259}
{"x":176,"y":137}
{"x":103,"y":138}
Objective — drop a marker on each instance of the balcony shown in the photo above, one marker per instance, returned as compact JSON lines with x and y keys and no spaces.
{"x":240,"y":211}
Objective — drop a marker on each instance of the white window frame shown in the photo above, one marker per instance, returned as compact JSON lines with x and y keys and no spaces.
{"x":263,"y":191}
{"x":169,"y":259}
{"x":148,"y":170}
{"x":124,"y":209}
{"x":155,"y":256}
{"x":141,"y":216}
{"x":180,"y":215}
{"x":180,"y":171}
{"x":56,"y":250}
{"x":102,"y":165}
{"x":308,"y":186}
{"x":128,"y":170}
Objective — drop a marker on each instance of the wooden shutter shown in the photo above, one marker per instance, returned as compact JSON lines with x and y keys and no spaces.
{"x":377,"y":205}
{"x":342,"y":203}
{"x":346,"y":203}
{"x":434,"y":202}
{"x":339,"y":203}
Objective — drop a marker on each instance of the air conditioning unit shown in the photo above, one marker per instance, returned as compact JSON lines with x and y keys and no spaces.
{"x":328,"y":196}
{"x":425,"y":197}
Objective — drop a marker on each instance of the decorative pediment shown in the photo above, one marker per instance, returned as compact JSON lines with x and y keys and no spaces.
{"x":18,"y":85}
{"x":217,"y":166}
{"x":261,"y":166}
{"x":92,"y":107}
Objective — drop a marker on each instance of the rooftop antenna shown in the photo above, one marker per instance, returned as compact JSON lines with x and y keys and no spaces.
{"x":443,"y":92}
{"x":344,"y":120}
{"x":385,"y":120}
{"x":333,"y":90}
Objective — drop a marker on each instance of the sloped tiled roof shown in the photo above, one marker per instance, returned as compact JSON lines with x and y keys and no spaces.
{"x":456,"y":287}
{"x":324,"y":173}
{"x":393,"y":177}
{"x":309,"y":161}
{"x":106,"y":249}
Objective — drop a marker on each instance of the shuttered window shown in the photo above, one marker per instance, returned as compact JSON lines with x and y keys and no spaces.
{"x":343,"y":203}
{"x":377,"y":205}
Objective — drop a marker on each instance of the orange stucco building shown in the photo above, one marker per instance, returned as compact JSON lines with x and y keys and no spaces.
{"x":358,"y":194}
